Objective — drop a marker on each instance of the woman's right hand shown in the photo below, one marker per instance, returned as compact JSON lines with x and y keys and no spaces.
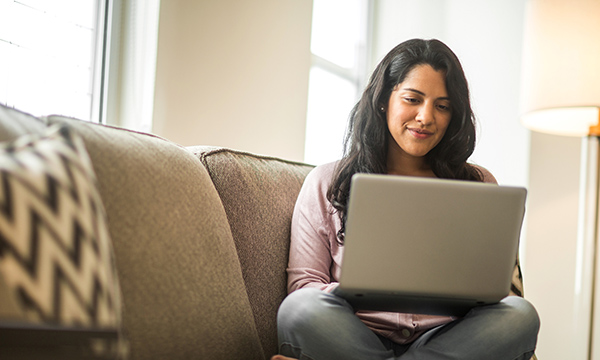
{"x":281,"y":357}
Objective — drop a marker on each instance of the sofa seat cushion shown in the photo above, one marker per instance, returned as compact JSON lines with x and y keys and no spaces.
{"x":259,"y":194}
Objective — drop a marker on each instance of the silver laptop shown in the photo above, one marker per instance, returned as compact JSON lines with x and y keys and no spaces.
{"x":429,"y":246}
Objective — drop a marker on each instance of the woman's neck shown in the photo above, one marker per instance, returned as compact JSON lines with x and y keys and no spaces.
{"x":400,"y":163}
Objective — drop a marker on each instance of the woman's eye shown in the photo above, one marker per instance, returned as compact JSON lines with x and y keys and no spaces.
{"x":444,"y":107}
{"x":411,"y":100}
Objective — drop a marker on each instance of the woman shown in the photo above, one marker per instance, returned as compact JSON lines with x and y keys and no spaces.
{"x":414,"y":119}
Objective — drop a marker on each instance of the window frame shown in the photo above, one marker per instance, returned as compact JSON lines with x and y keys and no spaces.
{"x":357,"y":75}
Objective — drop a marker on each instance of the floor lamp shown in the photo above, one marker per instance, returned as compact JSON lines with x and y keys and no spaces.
{"x":561,"y":96}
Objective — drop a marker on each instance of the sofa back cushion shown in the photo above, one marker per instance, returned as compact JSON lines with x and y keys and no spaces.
{"x":182,"y":286}
{"x":259,"y":194}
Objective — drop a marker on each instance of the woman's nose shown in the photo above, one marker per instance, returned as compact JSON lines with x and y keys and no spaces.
{"x":425,"y":115}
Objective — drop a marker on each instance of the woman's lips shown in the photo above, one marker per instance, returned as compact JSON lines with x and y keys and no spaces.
{"x":420,"y":133}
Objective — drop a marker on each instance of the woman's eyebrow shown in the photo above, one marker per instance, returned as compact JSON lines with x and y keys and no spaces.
{"x":423,"y":94}
{"x":414,"y":90}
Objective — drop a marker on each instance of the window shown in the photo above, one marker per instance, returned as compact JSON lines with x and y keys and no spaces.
{"x":49,"y":56}
{"x":337,"y":76}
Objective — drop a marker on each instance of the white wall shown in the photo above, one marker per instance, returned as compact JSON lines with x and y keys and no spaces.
{"x":234,"y":73}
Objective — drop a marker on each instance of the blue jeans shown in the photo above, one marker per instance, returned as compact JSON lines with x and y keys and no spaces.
{"x":313,"y":324}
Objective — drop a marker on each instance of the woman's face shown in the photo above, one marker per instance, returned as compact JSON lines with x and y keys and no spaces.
{"x":418,"y":112}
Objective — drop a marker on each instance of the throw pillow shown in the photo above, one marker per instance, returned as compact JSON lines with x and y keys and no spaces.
{"x":56,"y":258}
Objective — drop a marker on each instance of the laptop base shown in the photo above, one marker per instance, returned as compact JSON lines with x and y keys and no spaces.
{"x":409,"y":304}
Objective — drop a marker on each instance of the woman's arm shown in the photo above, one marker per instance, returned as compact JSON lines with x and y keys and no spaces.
{"x":312,"y":232}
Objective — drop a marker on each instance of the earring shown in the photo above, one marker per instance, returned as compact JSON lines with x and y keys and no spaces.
{"x":382,"y":109}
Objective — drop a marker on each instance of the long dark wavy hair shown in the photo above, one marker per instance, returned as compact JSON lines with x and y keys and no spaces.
{"x":367,"y":134}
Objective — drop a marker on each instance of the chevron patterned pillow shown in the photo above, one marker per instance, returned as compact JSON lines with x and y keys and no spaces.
{"x":56,"y":258}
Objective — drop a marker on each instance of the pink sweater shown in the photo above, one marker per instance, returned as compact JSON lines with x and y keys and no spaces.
{"x":316,"y":257}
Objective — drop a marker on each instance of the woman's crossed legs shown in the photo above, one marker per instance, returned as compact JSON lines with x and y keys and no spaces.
{"x":316,"y":325}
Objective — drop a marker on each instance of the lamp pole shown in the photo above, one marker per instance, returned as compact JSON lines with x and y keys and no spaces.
{"x":586,"y":280}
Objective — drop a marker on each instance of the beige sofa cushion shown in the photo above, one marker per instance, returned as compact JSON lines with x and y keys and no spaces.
{"x":259,"y":194}
{"x":183,"y":292}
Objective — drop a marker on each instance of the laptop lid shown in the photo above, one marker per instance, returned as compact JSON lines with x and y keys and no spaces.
{"x":430,"y":246}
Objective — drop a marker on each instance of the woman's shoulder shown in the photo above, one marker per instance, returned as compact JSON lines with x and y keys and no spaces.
{"x":317,"y":182}
{"x":486,"y":175}
{"x":322,"y":174}
{"x":313,"y":194}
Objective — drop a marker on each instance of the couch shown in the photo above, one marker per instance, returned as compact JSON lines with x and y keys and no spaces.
{"x":198,"y":238}
{"x":187,"y":246}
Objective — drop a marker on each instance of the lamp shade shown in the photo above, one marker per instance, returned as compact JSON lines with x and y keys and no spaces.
{"x":561,"y":67}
